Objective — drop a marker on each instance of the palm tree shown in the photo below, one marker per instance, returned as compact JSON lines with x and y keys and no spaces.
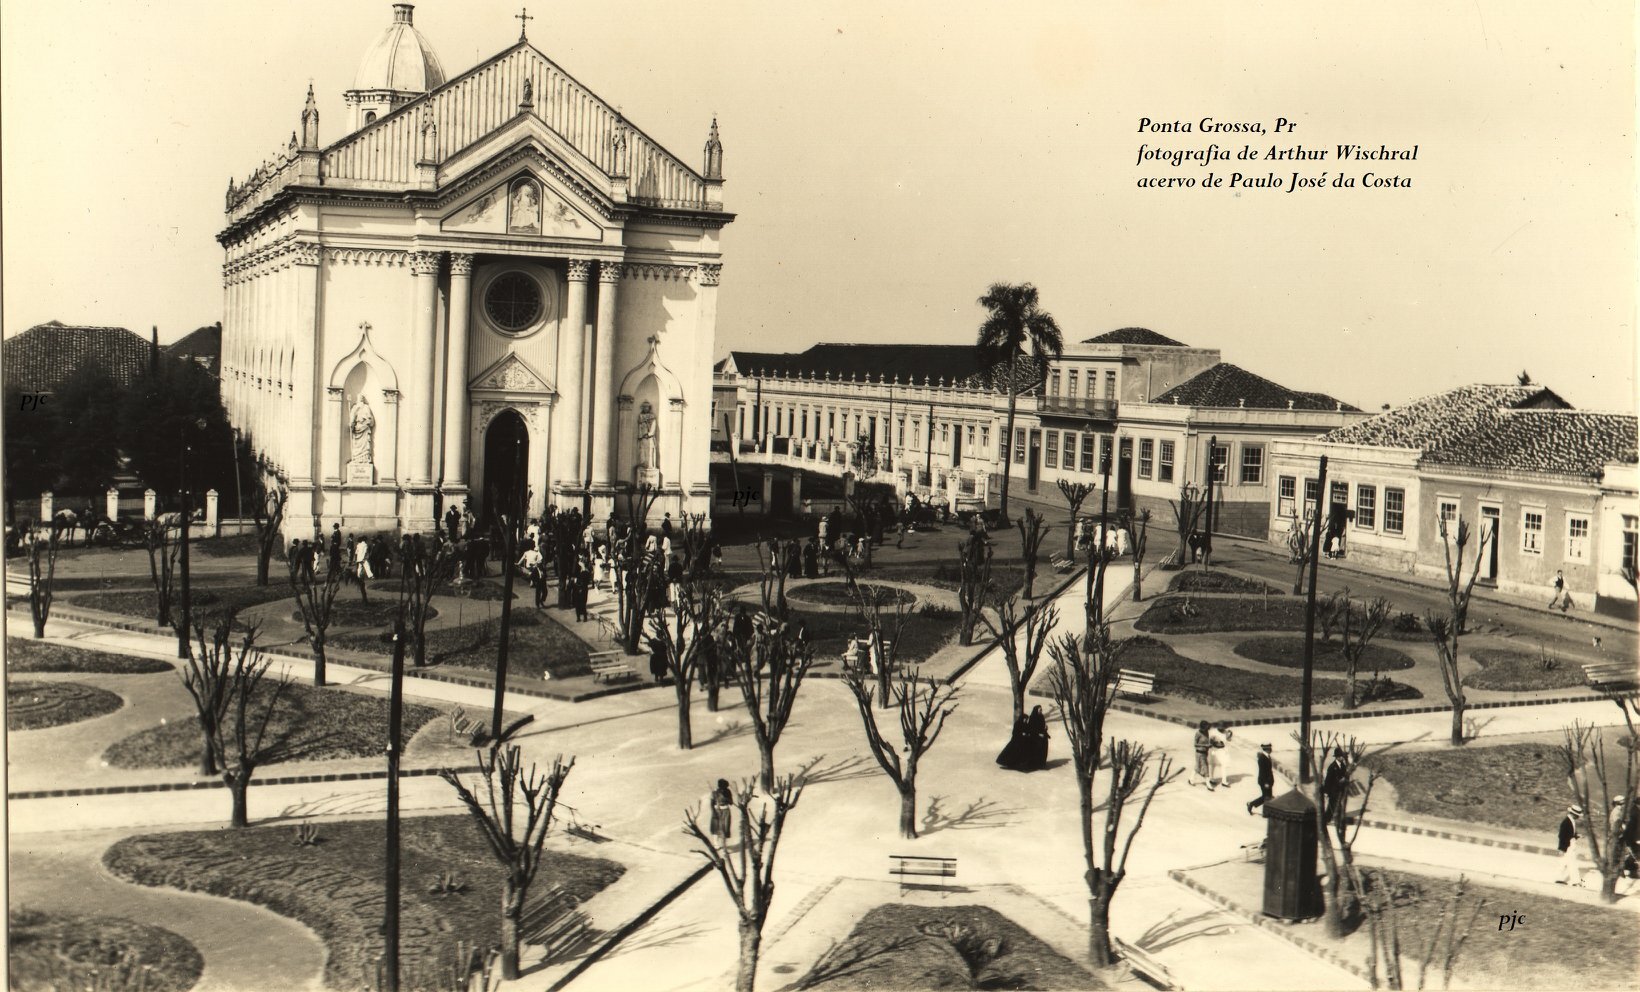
{"x":1014,"y":320}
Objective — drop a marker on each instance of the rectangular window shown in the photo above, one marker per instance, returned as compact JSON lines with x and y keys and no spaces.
{"x":1104,"y":456}
{"x":1577,"y":538}
{"x":1164,"y":467}
{"x":1147,"y":457}
{"x":1631,"y":542}
{"x":1087,"y":452}
{"x":1338,"y":494}
{"x":985,"y":438}
{"x":1110,"y":385}
{"x":1019,"y":446}
{"x":1286,"y":495}
{"x":916,"y":435}
{"x":1252,"y":465}
{"x":1053,"y":383}
{"x":1050,"y":454}
{"x":945,"y":436}
{"x":1070,"y":384}
{"x":1395,"y":508}
{"x":1221,"y":458}
{"x":1531,"y":532}
{"x":1366,"y":507}
{"x":1312,"y":496}
{"x":1447,"y":511}
{"x":805,"y":423}
{"x":970,"y":435}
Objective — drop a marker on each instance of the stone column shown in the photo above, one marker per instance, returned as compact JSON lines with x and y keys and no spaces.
{"x":455,"y":376}
{"x":571,"y":468}
{"x":111,"y":504}
{"x":425,"y":264}
{"x":148,"y":504}
{"x":768,"y":492}
{"x":213,"y":523}
{"x":797,"y":493}
{"x":603,"y":393}
{"x":307,"y":405}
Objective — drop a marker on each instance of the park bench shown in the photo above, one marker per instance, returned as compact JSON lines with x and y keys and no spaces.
{"x":1132,"y":683}
{"x":608,"y":666}
{"x":555,"y":924}
{"x":1061,"y":563}
{"x":912,"y":866}
{"x":1144,"y":965}
{"x":1609,"y":673}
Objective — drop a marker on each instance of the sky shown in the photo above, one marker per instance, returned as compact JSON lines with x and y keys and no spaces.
{"x":887,"y":162}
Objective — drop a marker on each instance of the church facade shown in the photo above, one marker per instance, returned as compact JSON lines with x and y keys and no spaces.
{"x":492,"y":290}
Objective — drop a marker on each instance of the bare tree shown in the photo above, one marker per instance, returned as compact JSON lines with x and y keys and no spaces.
{"x":1446,"y":629}
{"x":1385,"y":967}
{"x":1594,"y":785}
{"x":1342,"y":896}
{"x":1358,"y":627}
{"x":268,"y":513}
{"x":1299,"y":542}
{"x":163,"y":552}
{"x":42,"y":577}
{"x":1187,"y":513}
{"x":883,"y":637}
{"x":1023,"y":639}
{"x":1075,"y":493}
{"x":685,"y":633}
{"x":236,"y":703}
{"x":1031,"y":533}
{"x":425,"y":568}
{"x":923,"y":710}
{"x":1139,"y":527}
{"x":1084,"y":683}
{"x":974,"y":590}
{"x":514,"y":814}
{"x":747,"y":870}
{"x":316,"y":601}
{"x":769,"y":656}
{"x":637,"y":572}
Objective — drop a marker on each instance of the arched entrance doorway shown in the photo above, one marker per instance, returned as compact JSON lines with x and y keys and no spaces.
{"x":506,"y":466}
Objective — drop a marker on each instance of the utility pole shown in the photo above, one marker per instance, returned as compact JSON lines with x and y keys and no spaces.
{"x":510,"y":550}
{"x":395,"y":730}
{"x":1309,"y":630}
{"x":1207,"y":532}
{"x":184,"y":648}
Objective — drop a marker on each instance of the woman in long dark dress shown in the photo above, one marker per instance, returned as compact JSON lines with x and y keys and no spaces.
{"x":1013,"y":755}
{"x":1036,"y":741}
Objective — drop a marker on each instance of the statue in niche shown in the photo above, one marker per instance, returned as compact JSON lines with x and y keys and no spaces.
{"x":526,"y":209}
{"x":361,"y":427}
{"x":649,"y":452}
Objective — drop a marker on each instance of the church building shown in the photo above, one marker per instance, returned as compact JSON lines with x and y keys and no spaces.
{"x":492,"y":289}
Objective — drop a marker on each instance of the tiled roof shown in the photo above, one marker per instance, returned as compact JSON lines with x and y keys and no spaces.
{"x":203,"y":343}
{"x":1430,"y":422}
{"x":962,"y":364}
{"x":1565,"y":442}
{"x":41,"y":358}
{"x":1231,"y":385}
{"x":1135,"y":335}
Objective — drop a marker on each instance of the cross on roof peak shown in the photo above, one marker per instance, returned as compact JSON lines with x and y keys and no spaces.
{"x":523,"y":17}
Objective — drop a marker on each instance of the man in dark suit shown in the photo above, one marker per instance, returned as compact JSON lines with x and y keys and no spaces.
{"x":1266,"y":779}
{"x":1335,"y":787}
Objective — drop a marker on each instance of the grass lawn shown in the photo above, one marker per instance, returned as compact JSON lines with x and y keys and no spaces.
{"x":943,"y":947}
{"x":539,"y":644}
{"x":206,"y":602}
{"x":1169,"y":616}
{"x":1521,"y":786}
{"x":231,"y":545}
{"x":352,"y":612}
{"x":37,"y":705}
{"x":838,"y":594}
{"x":1520,"y":671}
{"x":336,"y":886}
{"x":1329,"y":655}
{"x":1563,"y":944}
{"x":1218,"y":686}
{"x":310,"y":725}
{"x":1195,"y":580}
{"x":23,"y":655}
{"x":52,"y":951}
{"x":923,"y":634}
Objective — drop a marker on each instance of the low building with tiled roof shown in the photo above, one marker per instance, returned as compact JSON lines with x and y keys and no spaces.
{"x":202,"y":346}
{"x":1135,"y":335}
{"x":1544,"y":484}
{"x":1231,"y":385}
{"x":43,"y":357}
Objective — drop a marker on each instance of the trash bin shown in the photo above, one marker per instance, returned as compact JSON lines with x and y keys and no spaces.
{"x":1292,"y":890}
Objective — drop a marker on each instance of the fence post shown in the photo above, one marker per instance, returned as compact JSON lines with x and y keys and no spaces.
{"x":111,"y":504}
{"x":148,"y":504}
{"x":47,"y":504}
{"x":213,"y":523}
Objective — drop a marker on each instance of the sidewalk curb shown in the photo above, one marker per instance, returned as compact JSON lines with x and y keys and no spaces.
{"x":1269,"y":924}
{"x":1505,"y":844}
{"x":628,"y":928}
{"x":216,"y":783}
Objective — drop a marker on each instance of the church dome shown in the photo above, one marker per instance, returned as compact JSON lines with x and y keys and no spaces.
{"x":401,"y":59}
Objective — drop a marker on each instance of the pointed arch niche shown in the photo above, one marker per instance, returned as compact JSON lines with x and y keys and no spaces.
{"x":363,"y":372}
{"x":653,"y":383}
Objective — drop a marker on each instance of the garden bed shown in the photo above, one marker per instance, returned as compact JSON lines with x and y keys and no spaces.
{"x":839,"y":594}
{"x":1206,"y":615}
{"x":336,"y":885}
{"x":205,"y":603}
{"x":1195,"y":580}
{"x":540,"y":645}
{"x":379,"y":612}
{"x":1521,"y":671}
{"x":37,"y":705}
{"x":54,"y":951}
{"x":310,"y":724}
{"x":898,"y":946}
{"x":924,"y":634}
{"x":1288,"y":652}
{"x":23,"y":655}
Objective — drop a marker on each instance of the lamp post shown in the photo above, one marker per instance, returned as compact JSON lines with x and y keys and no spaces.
{"x":1309,"y":630}
{"x":184,"y":648}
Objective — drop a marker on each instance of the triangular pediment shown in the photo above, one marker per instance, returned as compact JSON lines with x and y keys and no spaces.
{"x":511,"y":374}
{"x":521,"y":202}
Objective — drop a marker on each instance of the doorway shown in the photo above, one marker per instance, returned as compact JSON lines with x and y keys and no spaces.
{"x":1033,"y":461}
{"x":506,"y":464}
{"x":1490,"y":516}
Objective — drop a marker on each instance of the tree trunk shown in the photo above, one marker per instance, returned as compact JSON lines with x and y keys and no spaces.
{"x":1008,"y":449}
{"x":765,"y":773}
{"x":686,"y":737}
{"x":712,"y":694}
{"x":1017,"y":690}
{"x":1298,"y":583}
{"x":1137,"y":595}
{"x":207,"y":760}
{"x":237,"y":784}
{"x":1457,"y":720}
{"x":1030,"y":579}
{"x":1608,"y":884}
{"x":39,"y":624}
{"x":263,"y":554}
{"x":1099,"y":949}
{"x":319,"y":659}
{"x":908,"y":810}
{"x":751,"y":940}
{"x":511,"y":911}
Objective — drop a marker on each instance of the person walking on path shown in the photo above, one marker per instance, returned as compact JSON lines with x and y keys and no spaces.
{"x":1201,"y":745}
{"x":723,"y":804}
{"x":1571,"y":872}
{"x":1624,"y":835}
{"x":1560,"y":598}
{"x":1266,"y":778}
{"x":1335,"y":785}
{"x":657,"y":659}
{"x":1218,"y":740}
{"x":335,"y":547}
